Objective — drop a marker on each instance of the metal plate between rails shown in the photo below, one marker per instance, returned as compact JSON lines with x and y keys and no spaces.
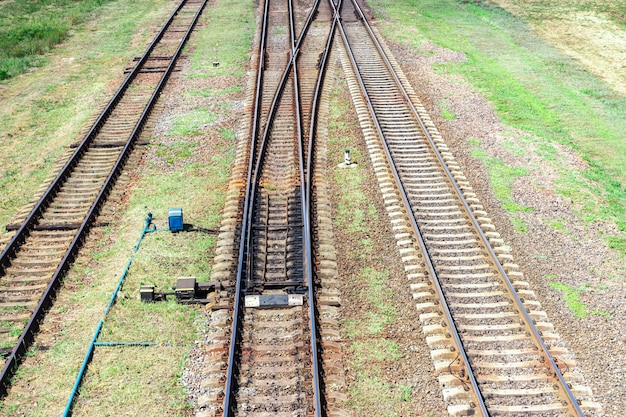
{"x":273,"y":300}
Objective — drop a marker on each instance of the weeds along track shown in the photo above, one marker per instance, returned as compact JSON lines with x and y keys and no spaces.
{"x":48,"y":236}
{"x":493,"y":348}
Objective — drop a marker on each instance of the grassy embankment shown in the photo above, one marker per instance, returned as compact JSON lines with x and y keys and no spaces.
{"x":29,"y":29}
{"x":535,"y":88}
{"x":539,"y":90}
{"x":188,"y":167}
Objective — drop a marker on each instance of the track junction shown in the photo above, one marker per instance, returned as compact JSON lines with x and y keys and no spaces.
{"x":493,"y":349}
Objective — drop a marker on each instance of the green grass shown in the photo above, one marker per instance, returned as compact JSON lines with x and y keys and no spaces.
{"x":142,"y":378}
{"x":189,"y":124}
{"x":210,"y":92}
{"x":446,"y":112}
{"x":502,"y":177}
{"x":380,"y":312}
{"x":163,"y":322}
{"x":227,"y":134}
{"x":376,"y":350}
{"x":380,"y":297}
{"x":184,"y":187}
{"x":571,"y":296}
{"x":519,"y":225}
{"x":16,"y":331}
{"x":279,"y":31}
{"x":175,"y":151}
{"x":29,"y":29}
{"x":371,"y":391}
{"x":352,"y":210}
{"x":166,"y":257}
{"x":601,"y":313}
{"x":618,"y":243}
{"x":558,"y":225}
{"x":533,"y":87}
{"x":232,"y":20}
{"x":510,"y":146}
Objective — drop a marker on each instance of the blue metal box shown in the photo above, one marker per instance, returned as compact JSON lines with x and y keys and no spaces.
{"x":176,"y":219}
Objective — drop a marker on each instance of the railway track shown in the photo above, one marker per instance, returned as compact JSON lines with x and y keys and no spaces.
{"x":272,"y":367}
{"x":50,"y":234}
{"x":493,"y":348}
{"x":273,"y":354}
{"x":289,"y":342}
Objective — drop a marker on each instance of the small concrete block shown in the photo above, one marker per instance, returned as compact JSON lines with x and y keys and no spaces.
{"x":209,"y":383}
{"x":460,"y":410}
{"x":208,"y":399}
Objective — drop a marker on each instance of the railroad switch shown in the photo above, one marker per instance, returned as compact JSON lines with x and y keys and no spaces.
{"x":187,"y":291}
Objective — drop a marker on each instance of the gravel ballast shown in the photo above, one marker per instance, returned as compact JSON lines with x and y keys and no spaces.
{"x":573,"y":254}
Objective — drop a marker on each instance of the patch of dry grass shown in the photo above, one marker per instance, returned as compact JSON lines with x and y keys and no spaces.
{"x":591,"y":31}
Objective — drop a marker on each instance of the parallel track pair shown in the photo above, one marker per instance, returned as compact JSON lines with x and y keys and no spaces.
{"x":47,"y":241}
{"x":441,"y":221}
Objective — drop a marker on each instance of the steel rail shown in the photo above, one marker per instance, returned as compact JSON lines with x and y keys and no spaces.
{"x":569,"y":396}
{"x":431,"y":270}
{"x":253,"y":178}
{"x":316,"y":102}
{"x":27,"y":336}
{"x":306,"y":220}
{"x":317,"y":382}
{"x":251,"y":185}
{"x":235,"y":335}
